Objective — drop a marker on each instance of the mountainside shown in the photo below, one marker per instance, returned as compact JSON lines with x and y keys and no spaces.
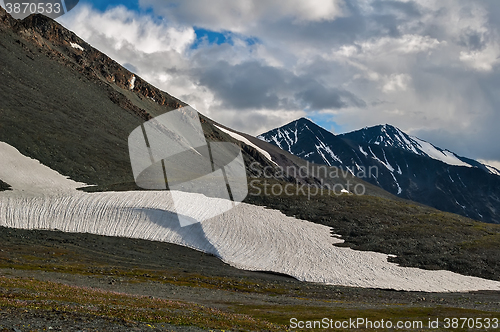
{"x":403,"y":165}
{"x":71,"y":107}
{"x":391,"y":137}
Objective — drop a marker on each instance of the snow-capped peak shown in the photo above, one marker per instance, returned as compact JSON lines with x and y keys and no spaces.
{"x":393,"y":137}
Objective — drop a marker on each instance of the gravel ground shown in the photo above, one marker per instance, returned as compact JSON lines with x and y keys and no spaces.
{"x":21,"y":320}
{"x":35,"y":254}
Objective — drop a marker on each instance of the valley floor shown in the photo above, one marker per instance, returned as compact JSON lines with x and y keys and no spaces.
{"x":94,"y":283}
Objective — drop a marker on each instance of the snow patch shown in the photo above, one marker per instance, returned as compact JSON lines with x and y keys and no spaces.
{"x":132,"y":82}
{"x":78,"y":47}
{"x":247,"y":237}
{"x":307,"y":155}
{"x":247,"y":142}
{"x":25,"y":174}
{"x":386,"y":164}
{"x":493,"y":170}
{"x":397,"y":184}
{"x":399,"y":171}
{"x":445,"y":156}
{"x":328,"y":150}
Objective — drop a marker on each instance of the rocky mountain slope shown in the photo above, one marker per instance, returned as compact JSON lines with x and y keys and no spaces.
{"x":71,"y":107}
{"x":405,"y":166}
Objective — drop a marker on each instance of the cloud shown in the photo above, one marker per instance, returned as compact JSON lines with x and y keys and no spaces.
{"x":482,"y":60}
{"x":253,"y":85}
{"x":428,"y":67}
{"x":396,"y":82}
{"x":241,"y":16}
{"x":120,"y":26}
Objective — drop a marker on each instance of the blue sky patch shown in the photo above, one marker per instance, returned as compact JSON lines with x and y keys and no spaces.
{"x":211,"y":37}
{"x":218,"y":38}
{"x":326,"y":121}
{"x":103,"y":5}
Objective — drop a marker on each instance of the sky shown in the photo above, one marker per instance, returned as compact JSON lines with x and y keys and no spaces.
{"x":429,"y":67}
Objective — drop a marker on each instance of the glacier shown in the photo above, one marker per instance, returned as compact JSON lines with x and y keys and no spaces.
{"x":247,"y":237}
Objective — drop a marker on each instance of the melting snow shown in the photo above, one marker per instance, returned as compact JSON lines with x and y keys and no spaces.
{"x":247,"y":237}
{"x":450,"y":176}
{"x":363,"y":151}
{"x":327,"y":149}
{"x":399,"y":171}
{"x":78,"y":47}
{"x":247,"y":142}
{"x":445,"y":156}
{"x":26,"y":174}
{"x":492,"y":170}
{"x":386,"y":164}
{"x":397,"y":184}
{"x":132,"y":82}
{"x":307,"y":155}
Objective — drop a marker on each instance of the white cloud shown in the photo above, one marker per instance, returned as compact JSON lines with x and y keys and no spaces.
{"x":244,"y":15}
{"x":123,"y":27}
{"x":483,"y":60}
{"x":396,"y":82}
{"x":403,"y":45}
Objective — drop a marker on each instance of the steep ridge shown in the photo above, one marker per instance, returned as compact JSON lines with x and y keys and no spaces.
{"x":390,"y":136}
{"x":405,"y":166}
{"x":70,"y":106}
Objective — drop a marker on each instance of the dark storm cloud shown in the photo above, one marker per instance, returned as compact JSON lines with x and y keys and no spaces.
{"x":252,"y":85}
{"x":318,"y":97}
{"x":473,"y":40}
{"x":246,"y":85}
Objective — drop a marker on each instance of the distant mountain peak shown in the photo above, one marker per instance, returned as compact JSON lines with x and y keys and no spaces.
{"x":408,"y":166}
{"x":392,"y":137}
{"x":297,"y":137}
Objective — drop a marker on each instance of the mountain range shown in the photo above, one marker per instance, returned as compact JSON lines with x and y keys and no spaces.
{"x":405,"y":166}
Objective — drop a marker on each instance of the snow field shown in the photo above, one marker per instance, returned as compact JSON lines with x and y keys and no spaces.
{"x":247,"y":142}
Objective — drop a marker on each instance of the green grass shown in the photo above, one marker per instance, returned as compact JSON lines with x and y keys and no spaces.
{"x":394,"y":313}
{"x":43,"y":295}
